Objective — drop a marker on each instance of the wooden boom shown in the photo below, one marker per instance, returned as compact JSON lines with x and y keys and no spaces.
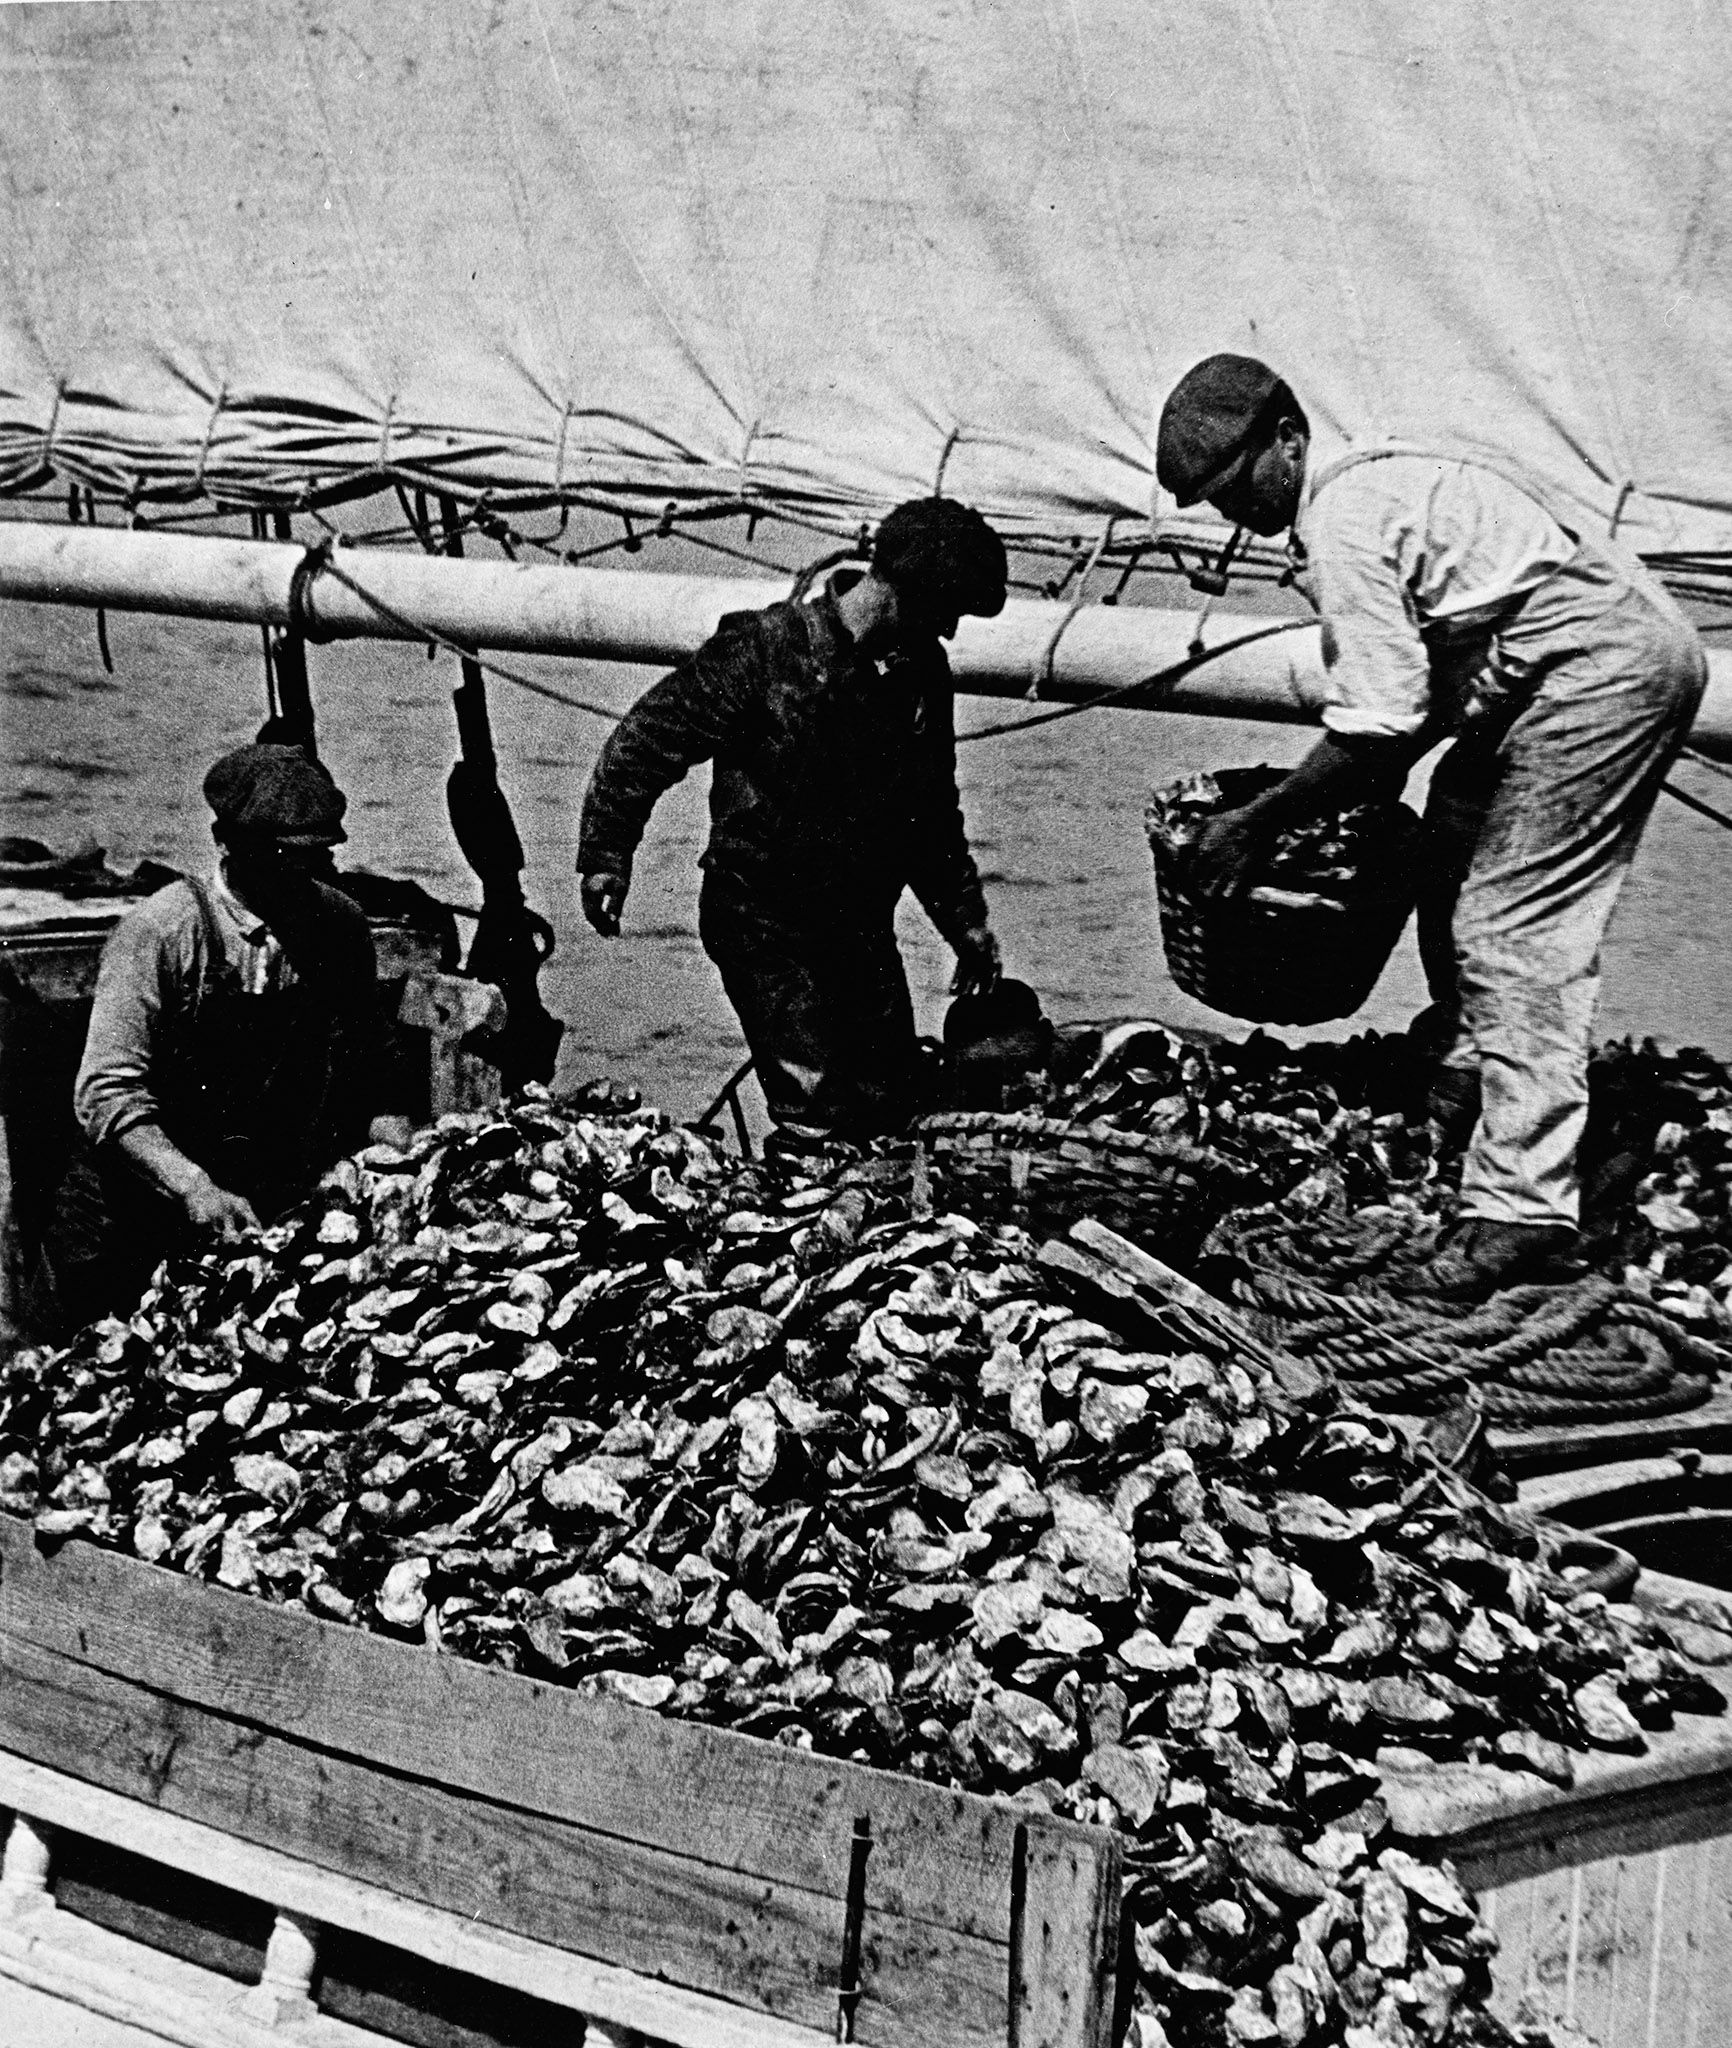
{"x":1031,"y":648}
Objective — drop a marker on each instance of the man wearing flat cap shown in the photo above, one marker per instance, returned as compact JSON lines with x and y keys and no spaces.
{"x":830,"y":724}
{"x":232,"y":1044}
{"x":1460,"y":600}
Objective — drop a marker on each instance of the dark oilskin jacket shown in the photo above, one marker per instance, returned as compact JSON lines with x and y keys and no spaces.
{"x":834,"y":786}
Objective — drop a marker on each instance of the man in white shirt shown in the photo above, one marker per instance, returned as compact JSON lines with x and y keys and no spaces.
{"x":1456,"y":602}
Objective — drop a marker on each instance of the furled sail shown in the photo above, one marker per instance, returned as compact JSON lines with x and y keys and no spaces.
{"x":821,"y":257}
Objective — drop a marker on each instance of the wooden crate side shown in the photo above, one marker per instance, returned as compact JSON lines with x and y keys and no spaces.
{"x":613,"y":1996}
{"x":699,"y":1792}
{"x":1498,"y":1823}
{"x":1064,"y":1940}
{"x":1632,"y":1820}
{"x":1634,"y":1950}
{"x":773,"y":1946}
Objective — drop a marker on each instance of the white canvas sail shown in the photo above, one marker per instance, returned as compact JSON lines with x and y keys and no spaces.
{"x":822,"y":256}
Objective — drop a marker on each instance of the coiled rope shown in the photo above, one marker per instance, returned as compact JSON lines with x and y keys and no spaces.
{"x":1589,"y":1350}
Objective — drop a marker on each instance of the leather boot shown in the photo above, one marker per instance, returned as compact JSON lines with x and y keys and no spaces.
{"x":1481,"y":1256}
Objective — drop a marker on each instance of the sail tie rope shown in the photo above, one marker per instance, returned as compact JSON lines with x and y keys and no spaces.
{"x":89,"y":513}
{"x":318,"y":561}
{"x":1161,"y":679}
{"x":209,"y":436}
{"x":1041,"y":680}
{"x":559,"y":457}
{"x":53,"y":425}
{"x":1626,"y":490}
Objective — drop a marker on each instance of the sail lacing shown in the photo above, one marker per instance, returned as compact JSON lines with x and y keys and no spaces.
{"x":209,"y":435}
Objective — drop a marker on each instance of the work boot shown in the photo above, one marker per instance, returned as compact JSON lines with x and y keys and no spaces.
{"x":1481,"y":1256}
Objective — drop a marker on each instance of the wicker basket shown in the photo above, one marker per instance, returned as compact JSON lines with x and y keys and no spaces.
{"x":1280,"y":956}
{"x":1046,"y":1173}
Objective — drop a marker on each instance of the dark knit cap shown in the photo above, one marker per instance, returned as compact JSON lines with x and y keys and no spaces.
{"x":1209,"y":420}
{"x":943,"y":552}
{"x":278,"y":793}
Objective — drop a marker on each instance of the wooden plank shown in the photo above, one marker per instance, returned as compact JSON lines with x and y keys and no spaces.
{"x":600,"y":1990}
{"x":1708,"y":2017}
{"x":1636,"y":1952}
{"x":1626,"y":1486}
{"x":701,"y":1792}
{"x":1545,"y":1973}
{"x":1069,"y":1913}
{"x":1676,"y":1875}
{"x":1498,"y":1824}
{"x":1601,"y":1942}
{"x":773,"y":1946}
{"x":1296,"y":1377}
{"x":60,"y":966}
{"x":1708,"y":1427}
{"x":449,"y":1008}
{"x":1640,"y":1900}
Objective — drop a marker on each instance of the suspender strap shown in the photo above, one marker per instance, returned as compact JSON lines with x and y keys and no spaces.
{"x":215,"y":954}
{"x":1517,"y":478}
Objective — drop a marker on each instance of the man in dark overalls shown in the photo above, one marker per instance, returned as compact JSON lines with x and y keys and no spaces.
{"x":831,"y":727}
{"x":233,"y":1042}
{"x":1461,"y":600}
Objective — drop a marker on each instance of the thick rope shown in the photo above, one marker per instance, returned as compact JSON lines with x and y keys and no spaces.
{"x":1586,"y":1351}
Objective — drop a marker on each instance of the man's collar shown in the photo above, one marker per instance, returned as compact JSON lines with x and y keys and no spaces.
{"x":248,"y":923}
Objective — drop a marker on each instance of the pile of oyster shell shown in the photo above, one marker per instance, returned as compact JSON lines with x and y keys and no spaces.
{"x":1320,"y":853}
{"x":579,"y":1395}
{"x":1336,"y":1127}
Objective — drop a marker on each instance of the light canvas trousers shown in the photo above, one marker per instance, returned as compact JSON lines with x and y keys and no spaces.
{"x":1538,"y":809}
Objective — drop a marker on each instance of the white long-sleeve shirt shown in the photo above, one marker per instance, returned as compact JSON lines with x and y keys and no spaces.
{"x":1403,"y":543}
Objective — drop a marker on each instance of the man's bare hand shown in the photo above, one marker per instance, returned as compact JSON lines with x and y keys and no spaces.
{"x":603,"y":900}
{"x":1224,"y":858}
{"x":214,"y":1211}
{"x":978,"y":962}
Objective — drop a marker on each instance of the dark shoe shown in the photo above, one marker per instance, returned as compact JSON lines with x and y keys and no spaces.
{"x":1483,"y":1256}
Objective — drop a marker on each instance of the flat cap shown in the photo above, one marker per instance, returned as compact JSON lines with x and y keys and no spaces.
{"x":1207,"y":422}
{"x":278,"y":792}
{"x":944,"y":551}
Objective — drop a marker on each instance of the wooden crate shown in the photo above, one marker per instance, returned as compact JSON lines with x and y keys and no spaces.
{"x":668,"y":1853}
{"x":1611,"y":1901}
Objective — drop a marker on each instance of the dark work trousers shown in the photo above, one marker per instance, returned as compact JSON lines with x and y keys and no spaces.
{"x":255,"y":1092}
{"x":823,"y":1001}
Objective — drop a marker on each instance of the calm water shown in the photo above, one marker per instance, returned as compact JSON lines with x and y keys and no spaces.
{"x":1055,"y":819}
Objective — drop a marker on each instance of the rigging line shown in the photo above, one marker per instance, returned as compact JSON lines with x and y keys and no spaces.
{"x":1162,"y":677}
{"x":720,"y":547}
{"x":408,"y":625}
{"x":1695,"y":803}
{"x":1707,"y":761}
